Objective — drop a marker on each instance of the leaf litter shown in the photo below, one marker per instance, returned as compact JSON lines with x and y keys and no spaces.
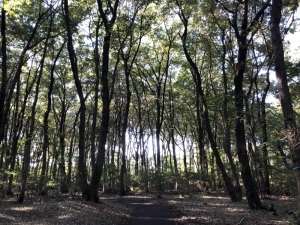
{"x":218,"y":209}
{"x":64,"y":212}
{"x":189,"y":209}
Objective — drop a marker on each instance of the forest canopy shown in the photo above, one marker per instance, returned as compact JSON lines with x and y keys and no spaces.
{"x":119,"y":96}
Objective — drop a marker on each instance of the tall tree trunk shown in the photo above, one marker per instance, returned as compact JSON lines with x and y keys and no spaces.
{"x":172,"y":128}
{"x":262,"y":118}
{"x":226,"y":122}
{"x":124,"y":129}
{"x":85,"y":188}
{"x":46,"y":142}
{"x":16,"y":132}
{"x":30,"y":129}
{"x":205,"y":116}
{"x":292,"y":131}
{"x":249,"y":184}
{"x":96,"y":96}
{"x":104,"y":126}
{"x":71,"y":149}
{"x":266,"y":181}
{"x":141,"y":137}
{"x":62,"y":145}
{"x":242,"y":28}
{"x":4,"y":73}
{"x":127,"y":69}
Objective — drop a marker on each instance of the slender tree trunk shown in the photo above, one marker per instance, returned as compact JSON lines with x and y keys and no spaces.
{"x":266,"y":181}
{"x":104,"y":122}
{"x":45,"y":144}
{"x":249,"y":184}
{"x":16,"y":132}
{"x":172,"y":128}
{"x":242,"y":28}
{"x":4,"y":73}
{"x":124,"y":129}
{"x":127,"y":69}
{"x":30,"y":131}
{"x":205,"y":116}
{"x":71,"y":149}
{"x":96,"y":96}
{"x":85,"y":188}
{"x":141,"y":137}
{"x":62,"y":145}
{"x":226,"y":122}
{"x":292,"y":131}
{"x":262,"y":116}
{"x":100,"y":160}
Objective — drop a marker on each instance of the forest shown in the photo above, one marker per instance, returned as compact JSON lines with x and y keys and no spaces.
{"x":123,"y":96}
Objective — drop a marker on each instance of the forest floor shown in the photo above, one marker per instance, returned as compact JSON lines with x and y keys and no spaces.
{"x":217,"y":208}
{"x":187,"y":209}
{"x":64,"y":211}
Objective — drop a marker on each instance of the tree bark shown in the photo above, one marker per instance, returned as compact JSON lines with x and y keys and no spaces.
{"x":292,"y":131}
{"x":104,"y":126}
{"x":4,"y":73}
{"x":85,"y":188}
{"x":242,"y":29}
{"x":96,"y":96}
{"x":198,"y":83}
{"x":226,"y":122}
{"x":45,"y":144}
{"x":249,"y":184}
{"x":30,"y":129}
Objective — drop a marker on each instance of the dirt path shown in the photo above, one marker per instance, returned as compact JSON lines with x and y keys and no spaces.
{"x":149,"y":212}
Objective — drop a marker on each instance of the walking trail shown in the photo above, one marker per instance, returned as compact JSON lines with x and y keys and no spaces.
{"x":149,"y":212}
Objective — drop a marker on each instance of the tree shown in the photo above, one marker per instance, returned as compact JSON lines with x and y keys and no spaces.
{"x":292,"y":131}
{"x":31,"y":120}
{"x":243,"y":29}
{"x":85,"y":188}
{"x":109,"y":21}
{"x":197,"y":76}
{"x":127,"y":41}
{"x":3,"y":87}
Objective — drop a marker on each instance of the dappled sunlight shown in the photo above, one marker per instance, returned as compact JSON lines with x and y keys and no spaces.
{"x":65,"y":216}
{"x":234,"y":210}
{"x":22,"y":209}
{"x":52,"y":212}
{"x":224,"y":198}
{"x":214,"y":209}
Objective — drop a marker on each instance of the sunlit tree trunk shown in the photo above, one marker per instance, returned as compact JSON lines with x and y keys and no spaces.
{"x":292,"y":131}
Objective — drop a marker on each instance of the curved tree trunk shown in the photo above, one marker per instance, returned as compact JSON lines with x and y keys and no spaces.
{"x":198,"y":83}
{"x":242,"y":26}
{"x":292,"y":131}
{"x":30,"y":130}
{"x":45,"y":144}
{"x":104,"y":126}
{"x":81,"y":146}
